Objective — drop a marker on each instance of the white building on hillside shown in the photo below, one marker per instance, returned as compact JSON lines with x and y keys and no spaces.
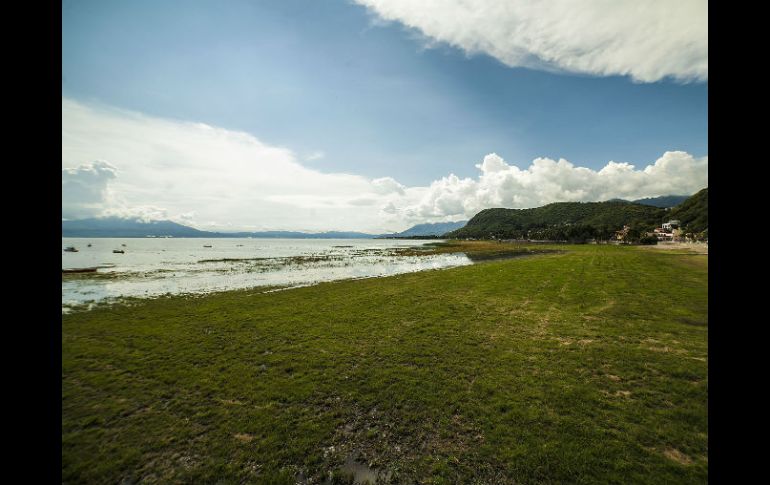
{"x":671,"y":225}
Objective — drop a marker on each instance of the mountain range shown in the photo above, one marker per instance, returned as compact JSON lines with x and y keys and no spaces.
{"x":510,"y":223}
{"x":119,"y":227}
{"x":435,"y":229}
{"x":664,"y":201}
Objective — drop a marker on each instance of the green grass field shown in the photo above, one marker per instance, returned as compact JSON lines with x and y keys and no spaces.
{"x":586,"y":366}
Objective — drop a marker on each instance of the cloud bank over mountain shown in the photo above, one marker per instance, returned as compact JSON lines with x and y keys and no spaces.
{"x":122,"y":163}
{"x":546,"y":181}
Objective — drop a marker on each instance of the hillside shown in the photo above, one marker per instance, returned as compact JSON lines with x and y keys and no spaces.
{"x":694,"y":212}
{"x":579,"y":217}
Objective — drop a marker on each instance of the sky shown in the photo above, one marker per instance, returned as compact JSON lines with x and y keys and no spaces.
{"x":376,"y":115}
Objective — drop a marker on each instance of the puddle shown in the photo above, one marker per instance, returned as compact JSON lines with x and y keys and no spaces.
{"x":362,"y":473}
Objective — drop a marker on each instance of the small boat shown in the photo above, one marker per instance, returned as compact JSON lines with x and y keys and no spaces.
{"x":89,"y":245}
{"x":118,"y":251}
{"x":123,"y":245}
{"x":206,"y":245}
{"x":71,"y":249}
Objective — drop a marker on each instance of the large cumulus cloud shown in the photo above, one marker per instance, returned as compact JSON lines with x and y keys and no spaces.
{"x":546,"y":181}
{"x":205,"y":176}
{"x":85,"y":189}
{"x":647,"y":40}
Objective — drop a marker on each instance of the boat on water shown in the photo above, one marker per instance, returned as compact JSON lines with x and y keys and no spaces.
{"x":206,"y":245}
{"x":89,"y":245}
{"x":71,"y":249}
{"x":118,"y":251}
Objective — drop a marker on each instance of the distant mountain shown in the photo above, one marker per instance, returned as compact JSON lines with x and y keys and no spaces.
{"x":299,"y":235}
{"x":604,"y":217}
{"x":428,"y":229}
{"x":693,"y":213}
{"x":118,"y":227}
{"x":664,"y":201}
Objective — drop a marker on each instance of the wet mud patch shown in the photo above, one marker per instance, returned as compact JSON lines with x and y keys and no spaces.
{"x":375,"y":445}
{"x":355,"y":472}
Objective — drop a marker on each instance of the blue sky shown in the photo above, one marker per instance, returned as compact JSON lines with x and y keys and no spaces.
{"x":349,"y":92}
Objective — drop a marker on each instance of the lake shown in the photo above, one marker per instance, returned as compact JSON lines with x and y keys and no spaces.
{"x":157,"y":266}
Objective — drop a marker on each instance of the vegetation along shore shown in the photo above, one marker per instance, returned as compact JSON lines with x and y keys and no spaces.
{"x":585,"y":364}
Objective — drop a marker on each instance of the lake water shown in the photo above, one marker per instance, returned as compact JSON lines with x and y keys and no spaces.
{"x":156,"y":266}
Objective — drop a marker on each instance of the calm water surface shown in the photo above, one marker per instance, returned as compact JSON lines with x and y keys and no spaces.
{"x":156,"y":266}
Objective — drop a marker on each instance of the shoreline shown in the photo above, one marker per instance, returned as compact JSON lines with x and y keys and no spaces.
{"x":475,"y":252}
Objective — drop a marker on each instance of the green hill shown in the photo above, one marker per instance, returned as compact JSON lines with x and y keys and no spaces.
{"x":578,"y":221}
{"x":694,"y":212}
{"x":561,"y":220}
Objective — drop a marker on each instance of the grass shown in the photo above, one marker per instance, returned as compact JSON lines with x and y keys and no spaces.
{"x":586,"y":366}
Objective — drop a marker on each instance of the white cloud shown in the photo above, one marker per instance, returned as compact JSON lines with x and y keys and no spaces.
{"x":143,"y":213}
{"x":178,"y":169}
{"x":546,"y":181}
{"x":387,"y":185}
{"x":316,"y":155}
{"x":647,"y":40}
{"x":216,"y":179}
{"x":84,"y":189}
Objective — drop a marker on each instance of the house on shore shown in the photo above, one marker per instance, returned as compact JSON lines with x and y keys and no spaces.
{"x":671,"y":225}
{"x":668,"y":231}
{"x":661,"y":234}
